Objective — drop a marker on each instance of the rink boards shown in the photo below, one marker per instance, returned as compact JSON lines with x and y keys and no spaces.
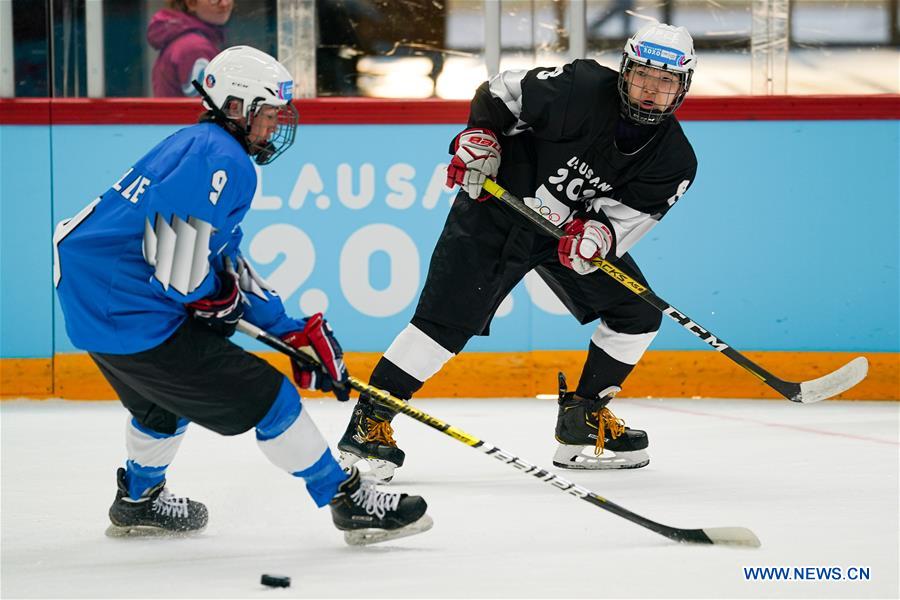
{"x":786,"y":245}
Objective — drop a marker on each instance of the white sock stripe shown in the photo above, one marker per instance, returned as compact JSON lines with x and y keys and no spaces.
{"x":298,"y":447}
{"x":149,"y":451}
{"x":417,"y":354}
{"x":624,"y":347}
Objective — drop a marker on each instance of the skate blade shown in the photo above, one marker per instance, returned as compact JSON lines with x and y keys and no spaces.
{"x":139,"y":531}
{"x":583,"y":457}
{"x":365,"y":537}
{"x":381,"y":471}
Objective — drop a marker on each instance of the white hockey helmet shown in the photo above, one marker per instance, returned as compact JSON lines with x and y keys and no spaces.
{"x":256,"y":80}
{"x":667,"y":49}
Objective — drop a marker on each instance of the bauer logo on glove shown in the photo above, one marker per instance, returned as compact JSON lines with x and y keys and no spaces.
{"x":476,"y":157}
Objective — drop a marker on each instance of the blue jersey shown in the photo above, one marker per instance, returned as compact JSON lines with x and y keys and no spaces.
{"x":127,"y":264}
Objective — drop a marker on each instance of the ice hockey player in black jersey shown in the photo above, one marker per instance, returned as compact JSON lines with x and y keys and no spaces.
{"x":597,"y":153}
{"x":152,"y":282}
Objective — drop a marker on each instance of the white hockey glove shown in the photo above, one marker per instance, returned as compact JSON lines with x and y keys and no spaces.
{"x":477,"y":156}
{"x":584,"y":240}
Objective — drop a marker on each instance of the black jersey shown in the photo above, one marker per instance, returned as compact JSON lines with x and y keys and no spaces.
{"x":557,"y":129}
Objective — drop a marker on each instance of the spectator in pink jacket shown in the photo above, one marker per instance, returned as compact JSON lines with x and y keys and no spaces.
{"x":188,"y":34}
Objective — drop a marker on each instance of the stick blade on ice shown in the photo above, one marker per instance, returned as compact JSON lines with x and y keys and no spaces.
{"x":834,"y":383}
{"x":732,"y":536}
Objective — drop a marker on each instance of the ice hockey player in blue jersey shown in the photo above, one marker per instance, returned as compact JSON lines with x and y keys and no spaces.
{"x":152,"y":283}
{"x":600,"y":155}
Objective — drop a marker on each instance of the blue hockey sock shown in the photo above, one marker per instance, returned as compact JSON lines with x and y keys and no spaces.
{"x":289,"y":438}
{"x":149,"y":455}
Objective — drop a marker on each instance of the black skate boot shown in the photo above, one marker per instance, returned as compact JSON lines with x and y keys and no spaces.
{"x":368,"y":516}
{"x":369,"y":437}
{"x":156,"y":512}
{"x":586,"y":424}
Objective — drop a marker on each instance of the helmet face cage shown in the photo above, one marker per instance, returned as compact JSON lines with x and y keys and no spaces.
{"x":264,"y":152}
{"x":653,"y":79}
{"x":255,"y":80}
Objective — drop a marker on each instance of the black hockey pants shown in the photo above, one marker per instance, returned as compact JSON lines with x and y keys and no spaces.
{"x":485,"y":249}
{"x":196,"y":374}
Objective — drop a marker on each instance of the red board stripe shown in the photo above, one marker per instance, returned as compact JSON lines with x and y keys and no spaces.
{"x":359,"y":111}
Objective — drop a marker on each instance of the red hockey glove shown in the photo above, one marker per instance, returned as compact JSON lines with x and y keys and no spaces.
{"x":221,"y":311}
{"x":318,"y":335}
{"x":477,"y":156}
{"x":584,"y":240}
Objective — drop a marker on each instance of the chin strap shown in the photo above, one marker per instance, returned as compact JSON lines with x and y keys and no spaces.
{"x":217,"y":116}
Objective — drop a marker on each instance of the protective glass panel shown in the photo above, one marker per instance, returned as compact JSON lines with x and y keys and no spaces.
{"x":464,"y":65}
{"x":533,"y":34}
{"x":80,"y":48}
{"x":24,"y":49}
{"x":840,"y":47}
{"x":440,"y":48}
{"x":382,"y":48}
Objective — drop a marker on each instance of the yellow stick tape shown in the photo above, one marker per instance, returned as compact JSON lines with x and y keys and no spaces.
{"x":661,"y":374}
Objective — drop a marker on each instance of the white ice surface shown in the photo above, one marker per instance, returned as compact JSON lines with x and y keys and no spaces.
{"x":817,"y":483}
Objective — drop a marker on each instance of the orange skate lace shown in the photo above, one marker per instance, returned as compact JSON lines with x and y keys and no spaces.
{"x":607,"y":420}
{"x":380,"y":431}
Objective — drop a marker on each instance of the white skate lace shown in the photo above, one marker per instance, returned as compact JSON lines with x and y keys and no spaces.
{"x":373,"y":501}
{"x":168,"y":505}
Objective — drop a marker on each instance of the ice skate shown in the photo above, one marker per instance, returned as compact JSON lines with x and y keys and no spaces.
{"x":156,"y":512}
{"x":367,"y":515}
{"x":370,"y":438}
{"x":591,"y":437}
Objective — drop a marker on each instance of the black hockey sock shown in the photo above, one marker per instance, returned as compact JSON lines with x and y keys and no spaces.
{"x":389,"y":377}
{"x":600,"y":371}
{"x":453,"y":340}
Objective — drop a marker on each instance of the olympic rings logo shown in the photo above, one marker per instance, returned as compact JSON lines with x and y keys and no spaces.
{"x":550,"y":213}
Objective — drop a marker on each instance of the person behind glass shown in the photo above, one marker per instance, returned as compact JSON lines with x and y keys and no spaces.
{"x":152,"y":282}
{"x":188,"y":34}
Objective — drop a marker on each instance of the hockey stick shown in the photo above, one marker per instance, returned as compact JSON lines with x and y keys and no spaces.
{"x":726,"y":536}
{"x":806,"y":392}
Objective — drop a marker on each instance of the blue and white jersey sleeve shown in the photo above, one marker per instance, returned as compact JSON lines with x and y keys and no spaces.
{"x":129,"y":262}
{"x":262,"y":304}
{"x":192,"y":212}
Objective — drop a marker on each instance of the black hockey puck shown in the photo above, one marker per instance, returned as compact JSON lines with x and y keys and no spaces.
{"x":275,"y":580}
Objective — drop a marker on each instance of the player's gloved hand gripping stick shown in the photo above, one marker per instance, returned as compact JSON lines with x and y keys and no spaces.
{"x":827,"y":386}
{"x":730,"y":536}
{"x":329,"y":369}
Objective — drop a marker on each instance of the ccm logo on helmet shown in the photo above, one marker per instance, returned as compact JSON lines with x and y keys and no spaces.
{"x":210,"y":81}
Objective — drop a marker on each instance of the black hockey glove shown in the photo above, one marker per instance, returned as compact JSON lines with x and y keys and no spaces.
{"x":221,"y":311}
